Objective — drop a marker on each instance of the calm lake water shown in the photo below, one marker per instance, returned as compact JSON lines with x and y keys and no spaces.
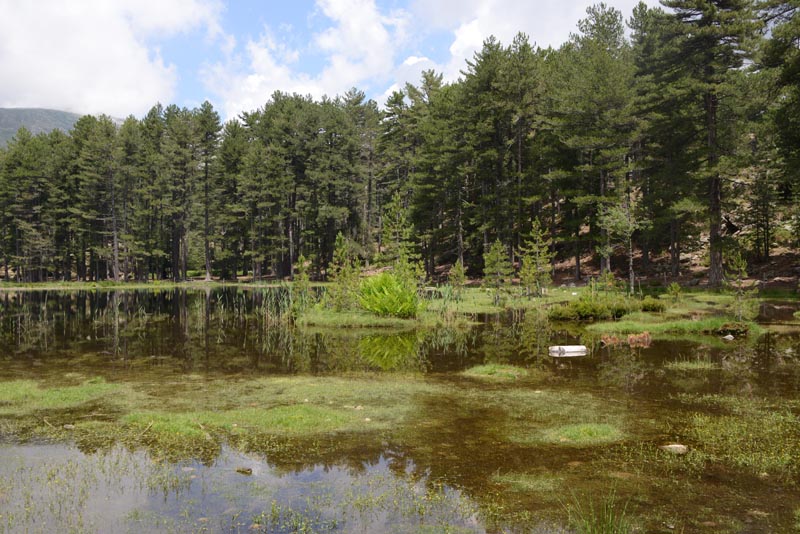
{"x":454,"y":452}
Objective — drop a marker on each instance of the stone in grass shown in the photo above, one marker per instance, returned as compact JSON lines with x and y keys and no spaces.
{"x":675,"y":448}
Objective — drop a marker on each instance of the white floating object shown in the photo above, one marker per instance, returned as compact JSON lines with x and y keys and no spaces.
{"x":568,"y":350}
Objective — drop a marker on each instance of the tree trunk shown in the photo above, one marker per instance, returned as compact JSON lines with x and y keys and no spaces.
{"x":114,"y":232}
{"x":674,"y":247}
{"x":715,"y":273}
{"x":206,"y":229}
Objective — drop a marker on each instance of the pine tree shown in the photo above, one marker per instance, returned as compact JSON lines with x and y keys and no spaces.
{"x":229,"y":207}
{"x":497,"y":270}
{"x":208,"y":129}
{"x":536,"y":260}
{"x":595,"y":115}
{"x":707,"y":41}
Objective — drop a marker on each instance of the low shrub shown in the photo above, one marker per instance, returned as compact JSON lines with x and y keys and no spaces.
{"x":386,"y":295}
{"x":593,"y":309}
{"x":650,"y":304}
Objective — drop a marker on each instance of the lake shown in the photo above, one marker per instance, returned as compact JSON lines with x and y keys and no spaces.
{"x":173,"y":410}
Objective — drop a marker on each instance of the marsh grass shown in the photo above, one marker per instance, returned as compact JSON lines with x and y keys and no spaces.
{"x":608,"y":516}
{"x":700,"y":364}
{"x":496,"y":371}
{"x":28,"y":396}
{"x":707,"y":325}
{"x":322,"y":317}
{"x":539,"y":483}
{"x":583,"y":434}
{"x":761,"y":442}
{"x":295,"y":419}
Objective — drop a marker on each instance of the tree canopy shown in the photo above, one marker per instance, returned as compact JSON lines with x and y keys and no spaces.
{"x":680,"y":135}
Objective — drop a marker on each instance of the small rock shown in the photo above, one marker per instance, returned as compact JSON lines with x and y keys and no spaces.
{"x":367,"y":419}
{"x":244,"y":471}
{"x":69,"y":427}
{"x":574,"y":294}
{"x":675,"y":448}
{"x":729,"y":337}
{"x":305,"y":400}
{"x":359,"y":407}
{"x":187,"y":469}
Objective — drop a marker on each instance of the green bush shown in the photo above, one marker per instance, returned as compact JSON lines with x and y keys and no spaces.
{"x":650,"y":304}
{"x":384,"y":295}
{"x":598,"y":308}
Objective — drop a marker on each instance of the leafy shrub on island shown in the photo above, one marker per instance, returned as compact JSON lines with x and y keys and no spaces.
{"x":386,"y":295}
{"x":598,"y":308}
{"x":651,"y":304}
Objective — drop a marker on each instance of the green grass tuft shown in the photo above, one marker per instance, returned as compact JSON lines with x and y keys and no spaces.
{"x":583,"y":434}
{"x":496,"y":371}
{"x":702,"y":364}
{"x":605,"y":517}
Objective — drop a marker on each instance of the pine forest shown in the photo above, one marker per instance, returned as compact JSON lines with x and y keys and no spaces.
{"x":646,"y":136}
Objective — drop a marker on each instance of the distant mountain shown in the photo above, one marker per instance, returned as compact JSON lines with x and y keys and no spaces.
{"x":34,"y":119}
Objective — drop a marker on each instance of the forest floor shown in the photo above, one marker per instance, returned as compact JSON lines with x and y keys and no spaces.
{"x":780,"y":272}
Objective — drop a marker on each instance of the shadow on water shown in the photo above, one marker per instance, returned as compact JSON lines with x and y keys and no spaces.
{"x":469,"y":429}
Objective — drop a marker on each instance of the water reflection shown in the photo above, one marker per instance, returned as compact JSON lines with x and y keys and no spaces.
{"x":52,"y":488}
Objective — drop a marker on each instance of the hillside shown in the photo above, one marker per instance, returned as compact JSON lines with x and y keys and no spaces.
{"x":35,"y":119}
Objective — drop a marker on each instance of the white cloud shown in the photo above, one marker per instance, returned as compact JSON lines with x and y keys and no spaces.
{"x":93,"y":56}
{"x":379,"y":51}
{"x":546,"y":22}
{"x":359,"y":48}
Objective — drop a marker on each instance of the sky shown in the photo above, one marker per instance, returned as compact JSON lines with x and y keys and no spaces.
{"x":120,"y":57}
